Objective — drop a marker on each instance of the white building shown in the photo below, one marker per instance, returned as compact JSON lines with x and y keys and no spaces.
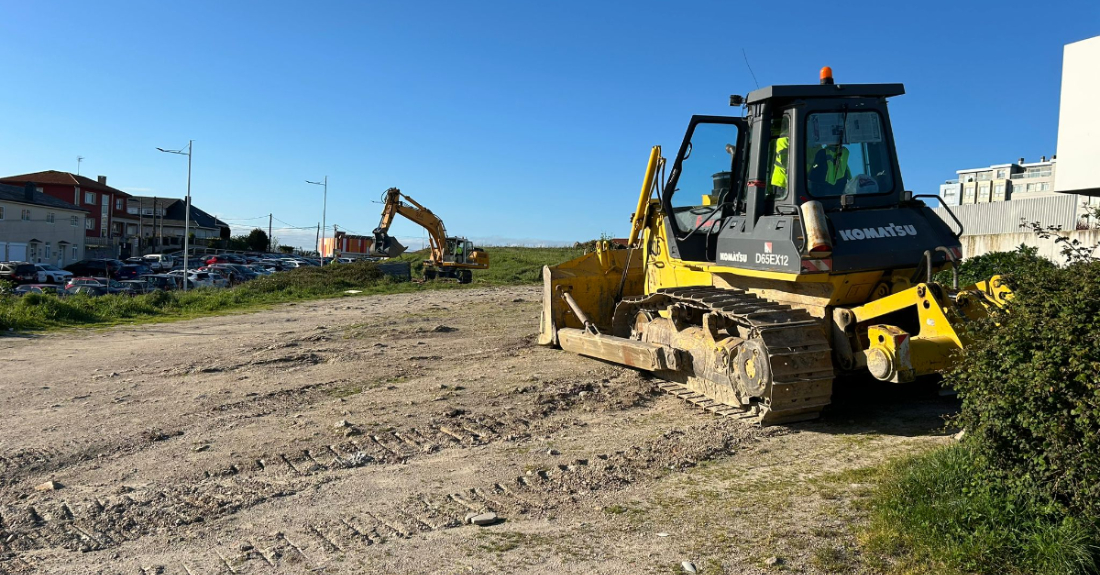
{"x":38,"y":228}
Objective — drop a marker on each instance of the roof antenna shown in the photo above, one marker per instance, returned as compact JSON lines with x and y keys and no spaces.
{"x":750,"y":68}
{"x":78,"y":160}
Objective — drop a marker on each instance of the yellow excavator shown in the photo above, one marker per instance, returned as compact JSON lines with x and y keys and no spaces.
{"x":450,"y":257}
{"x":781,"y":251}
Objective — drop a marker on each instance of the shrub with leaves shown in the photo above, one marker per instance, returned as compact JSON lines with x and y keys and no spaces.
{"x":1030,"y":382}
{"x":981,"y":268}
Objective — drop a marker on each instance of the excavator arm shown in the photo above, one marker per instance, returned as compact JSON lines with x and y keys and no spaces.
{"x":398,"y":203}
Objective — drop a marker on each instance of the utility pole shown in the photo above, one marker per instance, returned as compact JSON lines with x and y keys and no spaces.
{"x":324,"y":208}
{"x":318,"y":241}
{"x":187,"y":208}
{"x":141,"y":232}
{"x":334,"y":242}
{"x":269,"y":216}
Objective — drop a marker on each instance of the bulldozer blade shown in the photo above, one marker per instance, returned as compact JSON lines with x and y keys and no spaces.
{"x":387,"y":246}
{"x":592,"y":281}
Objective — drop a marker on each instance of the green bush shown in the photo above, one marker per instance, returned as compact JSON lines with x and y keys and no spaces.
{"x":1021,"y":492}
{"x":1030,"y":383}
{"x":981,"y":268}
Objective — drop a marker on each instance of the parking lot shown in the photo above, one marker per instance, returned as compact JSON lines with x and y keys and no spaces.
{"x":156,"y":272}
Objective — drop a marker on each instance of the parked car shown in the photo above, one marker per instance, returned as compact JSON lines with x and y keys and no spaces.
{"x":18,"y":272}
{"x":44,"y":289}
{"x":260,"y":270}
{"x":138,"y":286}
{"x":51,"y":274}
{"x":159,"y":262}
{"x":110,"y":285}
{"x":96,"y":268}
{"x":132,"y":271}
{"x":196,"y":279}
{"x":164,"y":282}
{"x":92,"y":290}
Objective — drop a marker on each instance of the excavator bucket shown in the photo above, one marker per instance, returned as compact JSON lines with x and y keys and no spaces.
{"x":592,"y":282}
{"x":386,"y":246}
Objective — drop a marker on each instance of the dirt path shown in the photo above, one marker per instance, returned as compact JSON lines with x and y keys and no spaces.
{"x":355,"y":435}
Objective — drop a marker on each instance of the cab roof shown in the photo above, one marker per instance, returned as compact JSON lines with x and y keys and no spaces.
{"x":825,"y":91}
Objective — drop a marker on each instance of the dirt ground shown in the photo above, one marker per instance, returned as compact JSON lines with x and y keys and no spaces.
{"x":356,"y":435}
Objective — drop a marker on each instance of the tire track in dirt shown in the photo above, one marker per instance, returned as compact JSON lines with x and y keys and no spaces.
{"x":106,"y":520}
{"x":537,"y":492}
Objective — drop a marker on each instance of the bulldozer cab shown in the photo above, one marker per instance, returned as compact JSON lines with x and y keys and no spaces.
{"x":735,"y":190}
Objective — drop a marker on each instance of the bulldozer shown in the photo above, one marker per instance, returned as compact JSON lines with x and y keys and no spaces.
{"x":450,"y":257}
{"x":781,"y":251}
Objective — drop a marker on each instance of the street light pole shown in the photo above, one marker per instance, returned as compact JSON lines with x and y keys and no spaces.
{"x":324,"y":208}
{"x":187,"y":209}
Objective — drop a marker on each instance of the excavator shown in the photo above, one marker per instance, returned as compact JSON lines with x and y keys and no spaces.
{"x":451,"y":257}
{"x":781,"y":251}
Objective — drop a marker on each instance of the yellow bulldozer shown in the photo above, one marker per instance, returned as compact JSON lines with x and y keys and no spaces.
{"x":450,"y":257}
{"x":781,"y":251}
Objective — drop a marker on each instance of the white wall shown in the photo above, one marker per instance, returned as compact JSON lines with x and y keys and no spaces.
{"x":978,"y":245}
{"x":1079,"y":118}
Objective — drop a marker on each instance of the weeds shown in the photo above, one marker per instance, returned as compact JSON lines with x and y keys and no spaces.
{"x":935,"y":514}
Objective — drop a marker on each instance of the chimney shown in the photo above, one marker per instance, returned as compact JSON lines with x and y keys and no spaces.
{"x":102,"y":180}
{"x":1021,"y":161}
{"x":1042,"y":158}
{"x":28,"y":191}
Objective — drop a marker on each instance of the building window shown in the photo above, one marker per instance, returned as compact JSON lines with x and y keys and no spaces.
{"x":999,"y":193}
{"x":72,"y":220}
{"x":1031,"y":187}
{"x":1043,"y":186}
{"x":26,"y":215}
{"x":47,"y":256}
{"x":983,"y":176}
{"x":49,"y":217}
{"x":1001,"y":174}
{"x":118,"y":204}
{"x":89,"y":224}
{"x":968,"y":194}
{"x":89,"y":198}
{"x":106,"y":200}
{"x":76,"y":252}
{"x":983,"y":192}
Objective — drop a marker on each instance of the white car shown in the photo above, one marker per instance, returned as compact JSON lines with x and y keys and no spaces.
{"x":50,"y":274}
{"x":196,"y":279}
{"x":159,"y":262}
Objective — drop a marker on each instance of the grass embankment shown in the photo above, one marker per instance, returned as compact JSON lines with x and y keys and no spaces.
{"x":35,"y":312}
{"x":510,"y":265}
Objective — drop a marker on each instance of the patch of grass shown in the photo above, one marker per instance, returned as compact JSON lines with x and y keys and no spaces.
{"x":933,"y":514}
{"x":832,"y":559}
{"x":509,"y":265}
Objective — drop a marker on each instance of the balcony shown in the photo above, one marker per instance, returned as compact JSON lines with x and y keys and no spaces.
{"x":1030,"y":175}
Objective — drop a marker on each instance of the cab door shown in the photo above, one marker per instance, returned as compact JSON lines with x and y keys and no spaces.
{"x":704,"y":185}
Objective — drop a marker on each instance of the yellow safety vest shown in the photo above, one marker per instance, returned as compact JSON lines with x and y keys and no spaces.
{"x":838,"y":169}
{"x":779,"y":169}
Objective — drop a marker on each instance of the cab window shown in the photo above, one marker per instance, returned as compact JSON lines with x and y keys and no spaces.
{"x":846,"y":153}
{"x":779,"y":159}
{"x":705,"y":177}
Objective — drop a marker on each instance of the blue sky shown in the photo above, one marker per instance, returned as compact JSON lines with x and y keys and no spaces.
{"x":515,"y":121}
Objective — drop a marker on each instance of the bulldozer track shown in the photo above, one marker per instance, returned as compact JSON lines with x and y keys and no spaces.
{"x":800,"y":357}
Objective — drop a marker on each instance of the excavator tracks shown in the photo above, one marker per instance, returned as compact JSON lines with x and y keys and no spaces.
{"x":798,"y":353}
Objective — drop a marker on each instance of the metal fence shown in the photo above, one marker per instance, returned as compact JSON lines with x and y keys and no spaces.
{"x":1006,"y":217}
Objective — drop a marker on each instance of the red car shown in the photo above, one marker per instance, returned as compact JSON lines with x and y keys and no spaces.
{"x":217,"y":260}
